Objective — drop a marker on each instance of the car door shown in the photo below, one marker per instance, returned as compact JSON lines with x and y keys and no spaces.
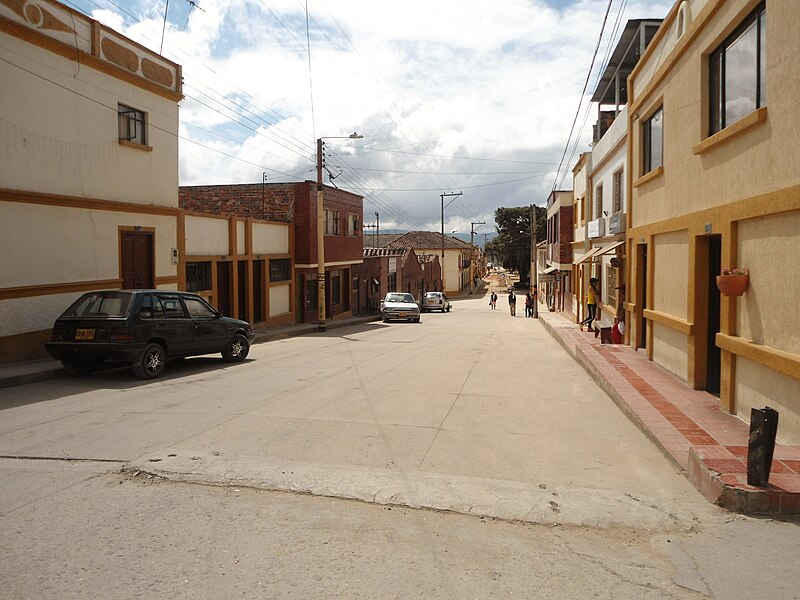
{"x":210,"y":332}
{"x":173,"y":324}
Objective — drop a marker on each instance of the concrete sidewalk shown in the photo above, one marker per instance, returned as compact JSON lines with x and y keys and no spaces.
{"x":706,"y":443}
{"x":47,"y":368}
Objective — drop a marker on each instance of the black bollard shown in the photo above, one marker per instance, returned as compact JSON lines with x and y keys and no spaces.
{"x":763,"y":429}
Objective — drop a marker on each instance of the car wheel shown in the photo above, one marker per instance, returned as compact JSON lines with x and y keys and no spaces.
{"x":151,"y":362}
{"x":237,"y":349}
{"x":417,"y":320}
{"x":77,"y":368}
{"x":448,"y":309}
{"x":384,"y":319}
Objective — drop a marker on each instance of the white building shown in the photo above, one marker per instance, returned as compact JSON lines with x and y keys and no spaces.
{"x":89,"y":174}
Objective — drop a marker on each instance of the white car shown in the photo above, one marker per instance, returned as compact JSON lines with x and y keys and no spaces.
{"x":399,"y":305}
{"x":435,"y":301}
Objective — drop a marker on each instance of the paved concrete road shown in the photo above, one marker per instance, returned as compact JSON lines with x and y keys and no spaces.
{"x":472,"y":412}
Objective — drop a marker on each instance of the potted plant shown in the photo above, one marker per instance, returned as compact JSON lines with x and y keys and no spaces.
{"x":733,"y":282}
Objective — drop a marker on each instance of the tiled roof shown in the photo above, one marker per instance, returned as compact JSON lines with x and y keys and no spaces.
{"x":383,"y":239}
{"x":427,"y":239}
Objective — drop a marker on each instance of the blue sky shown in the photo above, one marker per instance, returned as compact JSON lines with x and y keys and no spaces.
{"x":449,"y":95}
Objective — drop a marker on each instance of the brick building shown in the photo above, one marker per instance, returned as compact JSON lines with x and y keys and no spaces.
{"x":297,"y":202}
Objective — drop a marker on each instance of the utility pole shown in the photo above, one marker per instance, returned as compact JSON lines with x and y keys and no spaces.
{"x":443,"y":196}
{"x":472,"y":254}
{"x":377,"y":229}
{"x":372,"y":226}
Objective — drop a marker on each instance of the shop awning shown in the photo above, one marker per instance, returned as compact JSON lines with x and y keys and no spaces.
{"x":610,"y":248}
{"x":587,"y":256}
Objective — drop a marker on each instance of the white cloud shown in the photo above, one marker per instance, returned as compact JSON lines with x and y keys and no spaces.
{"x":422,"y":81}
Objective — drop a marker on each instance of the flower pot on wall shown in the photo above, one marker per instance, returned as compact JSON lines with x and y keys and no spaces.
{"x":733,"y":285}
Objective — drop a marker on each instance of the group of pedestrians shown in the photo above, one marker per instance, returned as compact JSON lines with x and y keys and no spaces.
{"x":512,"y":302}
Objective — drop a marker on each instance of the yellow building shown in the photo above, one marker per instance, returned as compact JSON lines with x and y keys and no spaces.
{"x":714,"y":181}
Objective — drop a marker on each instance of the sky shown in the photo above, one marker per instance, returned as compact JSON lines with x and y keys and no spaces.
{"x":470,"y":96}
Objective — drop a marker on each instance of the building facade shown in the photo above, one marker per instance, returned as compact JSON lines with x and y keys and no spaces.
{"x":89,"y":138}
{"x":714,"y":180}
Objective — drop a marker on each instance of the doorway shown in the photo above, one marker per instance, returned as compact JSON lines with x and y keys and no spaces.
{"x":136,"y":248}
{"x":713,"y":355}
{"x":224,"y":287}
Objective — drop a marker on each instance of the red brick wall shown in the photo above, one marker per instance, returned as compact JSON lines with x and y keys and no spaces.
{"x":272,"y":202}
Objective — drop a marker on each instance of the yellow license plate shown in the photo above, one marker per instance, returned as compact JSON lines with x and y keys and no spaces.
{"x":403,"y":314}
{"x":84,"y":334}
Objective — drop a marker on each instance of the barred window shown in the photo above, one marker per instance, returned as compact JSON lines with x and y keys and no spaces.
{"x":280,"y":269}
{"x":198,"y":276}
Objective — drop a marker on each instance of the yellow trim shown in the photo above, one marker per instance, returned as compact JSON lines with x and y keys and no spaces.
{"x":670,"y":321}
{"x":658,"y":171}
{"x":136,"y":146}
{"x":744,"y":124}
{"x":85,"y":203}
{"x":772,"y":358}
{"x":27,"y":291}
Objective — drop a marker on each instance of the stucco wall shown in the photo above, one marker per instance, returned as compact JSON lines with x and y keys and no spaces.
{"x":670,"y":273}
{"x":62,"y":245}
{"x":206,"y":236}
{"x":758,"y":386}
{"x":269,"y":238}
{"x":279,"y":300}
{"x":762,"y":159}
{"x":55,"y":139}
{"x":670,"y":349}
{"x":240,"y":238}
{"x":770,"y":247}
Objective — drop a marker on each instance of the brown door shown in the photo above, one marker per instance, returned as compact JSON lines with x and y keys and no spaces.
{"x":137,"y":260}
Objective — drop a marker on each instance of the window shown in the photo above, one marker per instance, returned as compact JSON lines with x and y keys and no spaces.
{"x":353,"y":228}
{"x":737,"y":73}
{"x":391,"y":282}
{"x":653,"y":134}
{"x":198,"y":308}
{"x":171,"y":307}
{"x":331,"y":222}
{"x":132,"y":125}
{"x":198,"y":276}
{"x":280,"y":269}
{"x":617,"y":199}
{"x":611,"y":283}
{"x":598,"y":201}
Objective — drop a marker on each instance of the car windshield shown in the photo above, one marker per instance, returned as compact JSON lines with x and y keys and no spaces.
{"x":432,"y":295}
{"x":100,"y":304}
{"x":399,"y":298}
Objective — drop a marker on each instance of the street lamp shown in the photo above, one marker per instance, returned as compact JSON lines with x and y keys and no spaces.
{"x":322,"y":325}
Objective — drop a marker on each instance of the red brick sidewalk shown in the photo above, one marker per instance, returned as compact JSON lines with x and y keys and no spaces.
{"x":706,"y":443}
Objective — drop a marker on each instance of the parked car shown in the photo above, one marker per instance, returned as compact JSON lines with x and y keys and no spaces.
{"x":143,"y":328}
{"x":435,"y":301}
{"x":399,"y":305}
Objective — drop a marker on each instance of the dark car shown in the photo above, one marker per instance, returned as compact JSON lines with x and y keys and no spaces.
{"x":143,"y":328}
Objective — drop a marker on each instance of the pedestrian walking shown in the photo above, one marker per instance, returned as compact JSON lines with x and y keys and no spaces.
{"x":493,"y":301}
{"x":512,"y":303}
{"x":592,"y":298}
{"x":528,"y":305}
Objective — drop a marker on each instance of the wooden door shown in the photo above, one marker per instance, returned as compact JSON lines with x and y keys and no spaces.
{"x":137,"y":260}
